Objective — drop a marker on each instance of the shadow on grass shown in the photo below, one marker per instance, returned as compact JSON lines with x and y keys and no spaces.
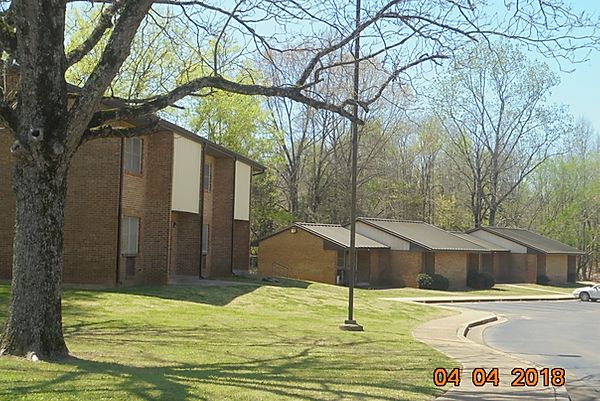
{"x":217,"y":295}
{"x":282,"y":376}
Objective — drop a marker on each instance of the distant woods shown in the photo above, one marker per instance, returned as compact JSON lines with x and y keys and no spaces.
{"x":485,"y":147}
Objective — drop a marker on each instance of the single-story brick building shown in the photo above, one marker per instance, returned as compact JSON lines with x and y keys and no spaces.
{"x":532,"y":255}
{"x":147,"y":209}
{"x":495,"y":262}
{"x":417,"y":247}
{"x":319,"y":252}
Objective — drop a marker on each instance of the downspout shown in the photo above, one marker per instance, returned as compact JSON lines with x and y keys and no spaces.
{"x":202,"y":162}
{"x":233,"y":211}
{"x":119,"y":212}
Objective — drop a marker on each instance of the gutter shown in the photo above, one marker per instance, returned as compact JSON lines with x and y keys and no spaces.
{"x":233,"y":211}
{"x":119,"y":212}
{"x":202,"y":163}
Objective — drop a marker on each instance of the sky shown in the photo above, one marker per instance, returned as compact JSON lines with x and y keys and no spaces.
{"x":581,"y":91}
{"x":581,"y":88}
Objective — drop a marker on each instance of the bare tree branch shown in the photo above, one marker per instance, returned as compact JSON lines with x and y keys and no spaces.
{"x":105,"y":22}
{"x":215,"y":82}
{"x":151,"y":125}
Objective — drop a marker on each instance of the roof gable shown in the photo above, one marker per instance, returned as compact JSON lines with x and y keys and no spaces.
{"x":335,"y":234}
{"x":532,"y":240}
{"x":423,"y":235}
{"x":483,"y":243}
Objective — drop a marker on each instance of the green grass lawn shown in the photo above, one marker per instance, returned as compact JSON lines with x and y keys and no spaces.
{"x":244,"y":342}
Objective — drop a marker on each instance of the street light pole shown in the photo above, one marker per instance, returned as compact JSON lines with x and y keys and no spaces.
{"x":350,"y":324}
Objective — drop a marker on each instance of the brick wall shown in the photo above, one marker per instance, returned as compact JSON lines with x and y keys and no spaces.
{"x":363,"y":274}
{"x":90,"y":246}
{"x":502,"y":267}
{"x":208,"y":219}
{"x":380,"y":264}
{"x":404,"y":266}
{"x":185,"y":240}
{"x":241,"y":245}
{"x":7,"y":206}
{"x":522,"y":268}
{"x":148,"y":197}
{"x":90,"y":213}
{"x":556,"y":268}
{"x":299,"y":256}
{"x":222,"y":220}
{"x":453,"y":266}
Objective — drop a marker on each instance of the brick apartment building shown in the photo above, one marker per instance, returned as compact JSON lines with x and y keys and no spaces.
{"x":142,"y":210}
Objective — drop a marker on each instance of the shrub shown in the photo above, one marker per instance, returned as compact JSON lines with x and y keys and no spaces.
{"x":542,"y":279}
{"x":480,"y":281}
{"x":424,"y":281}
{"x":439,"y":282}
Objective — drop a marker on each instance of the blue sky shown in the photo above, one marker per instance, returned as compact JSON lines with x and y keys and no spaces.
{"x":581,"y":88}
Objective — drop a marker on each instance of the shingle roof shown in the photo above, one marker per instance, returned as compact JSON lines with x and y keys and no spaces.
{"x":486,"y":244}
{"x":424,"y":235}
{"x":340,"y":235}
{"x":532,"y":240}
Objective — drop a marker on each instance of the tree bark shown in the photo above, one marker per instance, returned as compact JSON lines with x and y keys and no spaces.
{"x":34,"y":325}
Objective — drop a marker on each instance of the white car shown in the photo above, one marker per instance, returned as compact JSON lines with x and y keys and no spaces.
{"x":591,"y":293}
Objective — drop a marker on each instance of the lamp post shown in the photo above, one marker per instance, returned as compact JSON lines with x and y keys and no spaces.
{"x":350,"y":324}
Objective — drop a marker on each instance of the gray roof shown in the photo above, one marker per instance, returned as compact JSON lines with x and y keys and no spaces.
{"x":424,"y":235}
{"x":532,"y":240}
{"x":339,"y":235}
{"x":486,"y":244}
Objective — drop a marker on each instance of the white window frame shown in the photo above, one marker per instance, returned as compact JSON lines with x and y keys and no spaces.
{"x":133,"y":155}
{"x":208,"y":173}
{"x":205,"y":238}
{"x":130,"y":235}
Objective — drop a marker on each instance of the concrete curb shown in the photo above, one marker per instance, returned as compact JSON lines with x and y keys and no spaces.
{"x":465,"y":329}
{"x":449,"y":336}
{"x":454,"y":300}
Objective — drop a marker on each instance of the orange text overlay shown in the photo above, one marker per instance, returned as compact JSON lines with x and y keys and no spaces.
{"x":521,"y":377}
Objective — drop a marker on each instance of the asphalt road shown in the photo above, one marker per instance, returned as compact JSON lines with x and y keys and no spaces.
{"x":552,"y":334}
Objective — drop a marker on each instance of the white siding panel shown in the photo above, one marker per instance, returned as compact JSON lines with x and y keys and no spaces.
{"x":503,"y":242}
{"x":186,"y":175}
{"x":395,"y":243}
{"x":243,"y":177}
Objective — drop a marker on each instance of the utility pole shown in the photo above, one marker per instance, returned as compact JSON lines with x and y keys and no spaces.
{"x":350,"y":324}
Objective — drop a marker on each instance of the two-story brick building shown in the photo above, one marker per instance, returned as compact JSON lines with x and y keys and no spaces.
{"x":142,"y":210}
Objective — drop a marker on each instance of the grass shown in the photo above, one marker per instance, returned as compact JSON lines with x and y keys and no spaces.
{"x":243,"y":342}
{"x":499,"y":290}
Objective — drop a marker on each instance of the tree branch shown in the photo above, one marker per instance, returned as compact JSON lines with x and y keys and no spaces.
{"x":8,"y":37}
{"x":149,"y":127}
{"x":216,"y":82}
{"x":116,"y":52}
{"x":104,"y":23}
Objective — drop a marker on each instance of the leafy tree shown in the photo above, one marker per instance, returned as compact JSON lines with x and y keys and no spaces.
{"x":492,"y":105}
{"x":566,"y":192}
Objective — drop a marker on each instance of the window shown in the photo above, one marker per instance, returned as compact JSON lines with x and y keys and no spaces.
{"x":205,"y":232}
{"x":130,"y":229}
{"x":341,"y":259}
{"x":133,"y":155}
{"x":208,"y":177}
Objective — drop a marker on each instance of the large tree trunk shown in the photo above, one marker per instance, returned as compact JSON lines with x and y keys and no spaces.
{"x":34,"y":325}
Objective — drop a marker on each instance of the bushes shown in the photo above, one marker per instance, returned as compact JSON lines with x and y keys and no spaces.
{"x":542,"y":279}
{"x":480,"y":281}
{"x":424,"y":281}
{"x":432,"y":281}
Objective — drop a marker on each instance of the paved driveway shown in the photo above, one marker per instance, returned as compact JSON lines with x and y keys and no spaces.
{"x":552,"y":334}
